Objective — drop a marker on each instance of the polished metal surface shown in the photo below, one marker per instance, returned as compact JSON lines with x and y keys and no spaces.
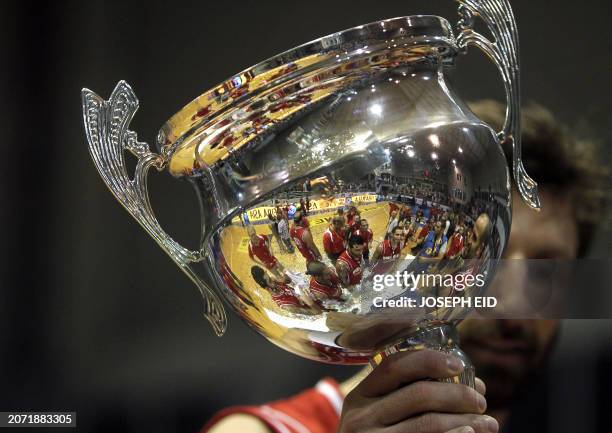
{"x":106,"y":128}
{"x":504,"y":52}
{"x":290,"y":155}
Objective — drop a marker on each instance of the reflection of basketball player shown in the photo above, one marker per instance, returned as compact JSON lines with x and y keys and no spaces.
{"x":350,"y":215}
{"x":366,"y":233}
{"x":390,"y":248}
{"x":350,"y":261}
{"x":354,"y":225}
{"x":259,"y":252}
{"x":324,"y":283}
{"x":303,"y":239}
{"x":480,"y":235}
{"x":333,"y":239}
{"x":475,"y":261}
{"x":283,"y":295}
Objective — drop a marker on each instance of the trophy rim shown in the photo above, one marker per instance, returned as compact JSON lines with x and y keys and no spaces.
{"x":341,"y":46}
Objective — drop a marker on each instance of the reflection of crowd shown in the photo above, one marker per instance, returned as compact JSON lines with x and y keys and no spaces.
{"x":438,"y":238}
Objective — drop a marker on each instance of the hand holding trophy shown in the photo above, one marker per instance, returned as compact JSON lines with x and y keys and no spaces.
{"x":352,"y":205}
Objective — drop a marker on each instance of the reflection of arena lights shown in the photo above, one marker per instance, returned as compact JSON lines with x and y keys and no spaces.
{"x":376,"y":109}
{"x":434,"y":155}
{"x":435,"y":140}
{"x":318,"y":324}
{"x":360,"y":141}
{"x":411,"y":153}
{"x":319,"y":147}
{"x":460,"y":150}
{"x":454,"y":162}
{"x":404,"y":140}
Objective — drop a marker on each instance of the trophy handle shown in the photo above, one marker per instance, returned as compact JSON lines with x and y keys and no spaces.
{"x":504,"y":51}
{"x":106,"y":127}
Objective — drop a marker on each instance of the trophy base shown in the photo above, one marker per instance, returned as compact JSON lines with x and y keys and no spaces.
{"x":440,"y":337}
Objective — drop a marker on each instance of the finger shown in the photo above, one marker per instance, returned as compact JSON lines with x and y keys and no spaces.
{"x":439,"y":422}
{"x":406,"y":367}
{"x":480,"y":386}
{"x":428,"y":396}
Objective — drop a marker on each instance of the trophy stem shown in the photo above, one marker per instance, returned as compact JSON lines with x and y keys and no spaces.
{"x":442,"y":337}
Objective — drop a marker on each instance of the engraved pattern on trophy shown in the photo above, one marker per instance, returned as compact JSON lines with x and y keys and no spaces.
{"x":106,"y":124}
{"x":504,"y":52}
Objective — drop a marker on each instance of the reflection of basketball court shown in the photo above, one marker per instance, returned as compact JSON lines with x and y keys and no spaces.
{"x":235,"y":240}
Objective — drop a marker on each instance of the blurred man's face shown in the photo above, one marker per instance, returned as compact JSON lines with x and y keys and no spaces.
{"x":338,"y":223}
{"x":505,"y":352}
{"x":397,"y":236}
{"x":356,"y":250}
{"x":438,"y":227}
{"x":481,"y":226}
{"x":327,"y":273}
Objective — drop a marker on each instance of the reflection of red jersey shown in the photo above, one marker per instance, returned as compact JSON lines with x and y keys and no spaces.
{"x":333,"y":243}
{"x":297,"y":234}
{"x":392,"y":207}
{"x":316,"y":410}
{"x":367,"y":236}
{"x":326,"y":291}
{"x":354,"y":267}
{"x":424,"y":231}
{"x":455,"y":245}
{"x":261,"y":251}
{"x":285,"y":296}
{"x":387,"y":252}
{"x":354,"y":226}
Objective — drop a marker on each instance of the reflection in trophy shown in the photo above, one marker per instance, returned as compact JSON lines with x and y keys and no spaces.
{"x":387,"y":198}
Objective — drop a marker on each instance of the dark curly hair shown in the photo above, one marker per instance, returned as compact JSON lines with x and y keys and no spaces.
{"x":558,"y":161}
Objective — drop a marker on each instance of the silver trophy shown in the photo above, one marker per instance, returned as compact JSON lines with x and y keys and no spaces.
{"x":352,"y":205}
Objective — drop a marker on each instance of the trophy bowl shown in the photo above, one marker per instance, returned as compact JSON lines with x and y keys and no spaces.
{"x":352,"y":204}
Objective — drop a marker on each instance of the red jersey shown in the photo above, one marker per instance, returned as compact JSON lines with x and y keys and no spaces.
{"x":331,"y":291}
{"x":316,"y":410}
{"x":333,"y":243}
{"x":388,"y":252}
{"x":455,"y":245}
{"x":367,"y":236}
{"x":262,"y":252}
{"x":297,"y":233}
{"x":354,"y":267}
{"x":285,"y":296}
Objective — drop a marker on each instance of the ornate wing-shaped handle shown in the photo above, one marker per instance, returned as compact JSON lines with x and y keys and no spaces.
{"x":504,"y":52}
{"x":106,"y":127}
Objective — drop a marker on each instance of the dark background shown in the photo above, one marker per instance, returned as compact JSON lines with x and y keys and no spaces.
{"x":94,"y":317}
